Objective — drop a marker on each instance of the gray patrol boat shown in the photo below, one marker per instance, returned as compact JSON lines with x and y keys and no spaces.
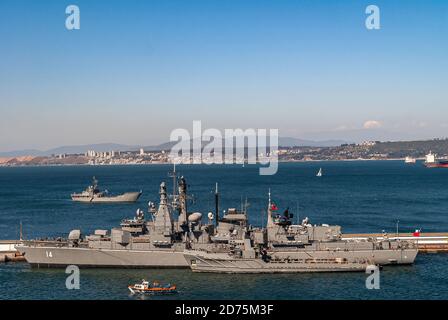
{"x":167,"y":241}
{"x":94,"y":195}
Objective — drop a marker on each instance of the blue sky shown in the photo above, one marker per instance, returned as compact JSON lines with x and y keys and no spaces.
{"x":138,"y":69}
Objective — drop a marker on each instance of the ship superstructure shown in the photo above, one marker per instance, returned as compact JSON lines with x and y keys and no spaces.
{"x":283,"y":247}
{"x":432,"y":162}
{"x":410,"y":160}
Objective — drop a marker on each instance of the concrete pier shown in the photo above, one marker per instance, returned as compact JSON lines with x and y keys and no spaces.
{"x":8,"y":252}
{"x":9,"y":245}
{"x":429,"y":242}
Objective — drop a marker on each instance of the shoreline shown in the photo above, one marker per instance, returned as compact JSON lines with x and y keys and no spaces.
{"x":190,"y":164}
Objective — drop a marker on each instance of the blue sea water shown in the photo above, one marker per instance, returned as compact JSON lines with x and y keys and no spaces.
{"x":361,"y":196}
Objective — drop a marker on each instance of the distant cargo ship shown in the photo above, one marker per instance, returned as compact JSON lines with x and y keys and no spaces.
{"x":432,"y":162}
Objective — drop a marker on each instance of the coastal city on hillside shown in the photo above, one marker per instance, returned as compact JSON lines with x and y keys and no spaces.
{"x":367,"y":150}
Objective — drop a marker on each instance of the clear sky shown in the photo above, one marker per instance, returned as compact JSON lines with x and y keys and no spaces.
{"x":138,"y":69}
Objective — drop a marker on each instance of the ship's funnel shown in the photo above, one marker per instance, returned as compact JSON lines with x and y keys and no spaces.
{"x":216,"y":205}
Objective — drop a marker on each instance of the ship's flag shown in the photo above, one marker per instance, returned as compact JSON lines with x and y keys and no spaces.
{"x":274,"y":207}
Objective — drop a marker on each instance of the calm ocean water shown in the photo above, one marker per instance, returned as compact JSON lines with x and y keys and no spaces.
{"x":361,"y":196}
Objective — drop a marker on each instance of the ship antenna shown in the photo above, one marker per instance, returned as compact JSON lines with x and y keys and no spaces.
{"x":269,"y":220}
{"x":216,"y":204}
{"x":21,"y":231}
{"x":174,"y":176}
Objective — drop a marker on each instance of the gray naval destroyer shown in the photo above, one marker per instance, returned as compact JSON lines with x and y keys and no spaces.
{"x":94,"y":195}
{"x":157,"y":242}
{"x":282,"y":247}
{"x":226,"y":244}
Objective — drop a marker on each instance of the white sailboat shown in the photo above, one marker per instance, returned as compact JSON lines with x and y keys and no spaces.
{"x":319,"y":174}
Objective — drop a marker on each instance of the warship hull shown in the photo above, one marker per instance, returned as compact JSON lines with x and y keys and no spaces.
{"x":47,"y":257}
{"x":298,"y":262}
{"x":221,"y":263}
{"x":438,"y":164}
{"x":125,"y":197}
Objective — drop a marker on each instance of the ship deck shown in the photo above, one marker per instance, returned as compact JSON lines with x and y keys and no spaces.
{"x":427,"y":242}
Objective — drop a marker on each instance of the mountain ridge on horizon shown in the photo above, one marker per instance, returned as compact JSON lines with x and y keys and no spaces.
{"x":104,"y":147}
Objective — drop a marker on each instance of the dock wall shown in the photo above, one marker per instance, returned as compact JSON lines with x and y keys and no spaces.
{"x":430,"y":242}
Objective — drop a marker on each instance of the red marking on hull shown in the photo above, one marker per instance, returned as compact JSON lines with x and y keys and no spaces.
{"x":437,"y":165}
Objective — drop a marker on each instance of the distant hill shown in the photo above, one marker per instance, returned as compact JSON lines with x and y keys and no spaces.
{"x":21,"y":153}
{"x":75,"y":149}
{"x":400,"y":149}
{"x":294,"y":142}
{"x":309,"y":150}
{"x":100,"y":147}
{"x":394,"y":149}
{"x":103,"y":147}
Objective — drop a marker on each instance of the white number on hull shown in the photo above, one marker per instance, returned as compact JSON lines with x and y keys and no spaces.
{"x":49,"y":254}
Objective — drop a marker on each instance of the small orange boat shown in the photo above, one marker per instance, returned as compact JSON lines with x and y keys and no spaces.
{"x":154,"y":288}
